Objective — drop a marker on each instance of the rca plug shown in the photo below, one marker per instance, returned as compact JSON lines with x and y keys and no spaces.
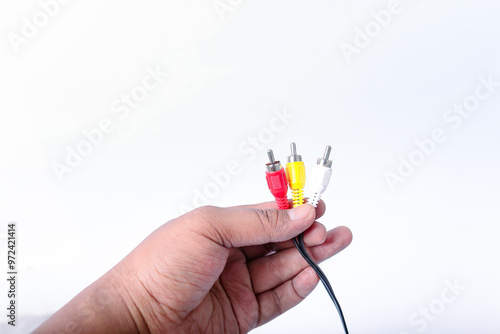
{"x":276,"y":181}
{"x":320,"y":177}
{"x":296,"y":176}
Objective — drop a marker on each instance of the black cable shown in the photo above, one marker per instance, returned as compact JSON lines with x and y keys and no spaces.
{"x":299,"y":243}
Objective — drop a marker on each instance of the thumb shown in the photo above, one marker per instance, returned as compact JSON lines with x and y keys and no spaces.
{"x":239,"y":226}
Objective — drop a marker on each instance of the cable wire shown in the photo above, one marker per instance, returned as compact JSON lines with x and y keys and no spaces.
{"x":299,"y":243}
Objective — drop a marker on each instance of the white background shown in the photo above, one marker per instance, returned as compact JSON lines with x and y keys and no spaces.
{"x":227,"y":78}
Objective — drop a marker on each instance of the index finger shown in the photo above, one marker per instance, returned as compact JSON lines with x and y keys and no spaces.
{"x":253,"y":252}
{"x":320,"y":210}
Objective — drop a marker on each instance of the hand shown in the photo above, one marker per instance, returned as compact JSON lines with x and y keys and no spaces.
{"x":212,"y":270}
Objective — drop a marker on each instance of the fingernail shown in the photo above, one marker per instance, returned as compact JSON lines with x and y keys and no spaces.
{"x":300,"y":212}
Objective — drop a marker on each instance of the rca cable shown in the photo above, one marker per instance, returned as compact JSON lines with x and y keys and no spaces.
{"x":278,"y":182}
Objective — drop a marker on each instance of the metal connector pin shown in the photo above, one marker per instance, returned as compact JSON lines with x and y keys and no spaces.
{"x":272,"y":165}
{"x":324,"y":161}
{"x":270,"y":154}
{"x":327,"y":152}
{"x":294,"y":157}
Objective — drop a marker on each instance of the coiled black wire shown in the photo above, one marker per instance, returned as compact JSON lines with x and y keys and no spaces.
{"x":299,"y":243}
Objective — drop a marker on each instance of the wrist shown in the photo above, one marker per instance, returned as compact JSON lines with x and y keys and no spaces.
{"x":128,"y":311}
{"x":103,"y":307}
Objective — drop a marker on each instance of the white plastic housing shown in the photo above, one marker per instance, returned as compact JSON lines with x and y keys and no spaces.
{"x":319,"y":179}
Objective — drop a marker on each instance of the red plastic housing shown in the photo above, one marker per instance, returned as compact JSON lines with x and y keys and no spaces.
{"x":277,"y":183}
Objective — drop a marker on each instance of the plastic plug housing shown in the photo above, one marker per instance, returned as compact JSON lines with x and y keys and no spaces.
{"x":277,"y":182}
{"x":320,"y":177}
{"x":296,"y":176}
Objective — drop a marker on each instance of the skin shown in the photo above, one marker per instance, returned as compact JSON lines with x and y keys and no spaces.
{"x":213,"y":270}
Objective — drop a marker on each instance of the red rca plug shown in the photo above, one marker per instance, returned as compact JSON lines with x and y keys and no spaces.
{"x":276,"y":181}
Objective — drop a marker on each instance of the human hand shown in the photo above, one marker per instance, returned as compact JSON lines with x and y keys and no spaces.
{"x":212,"y":270}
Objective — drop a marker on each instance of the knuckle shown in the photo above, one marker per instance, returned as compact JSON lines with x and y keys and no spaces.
{"x":272,"y":221}
{"x":203,"y":216}
{"x":204,"y":212}
{"x":203,"y":220}
{"x":277,"y":302}
{"x":280,"y":267}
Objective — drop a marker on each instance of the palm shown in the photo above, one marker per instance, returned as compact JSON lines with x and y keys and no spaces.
{"x":255,"y":287}
{"x":231,"y":304}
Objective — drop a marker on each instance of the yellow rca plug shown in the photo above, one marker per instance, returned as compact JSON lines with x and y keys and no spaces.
{"x":296,"y":176}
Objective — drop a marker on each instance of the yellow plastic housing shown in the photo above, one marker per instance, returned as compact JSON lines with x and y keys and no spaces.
{"x":296,"y":177}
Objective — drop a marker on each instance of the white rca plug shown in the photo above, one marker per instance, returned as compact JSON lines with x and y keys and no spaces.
{"x":320,"y":177}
